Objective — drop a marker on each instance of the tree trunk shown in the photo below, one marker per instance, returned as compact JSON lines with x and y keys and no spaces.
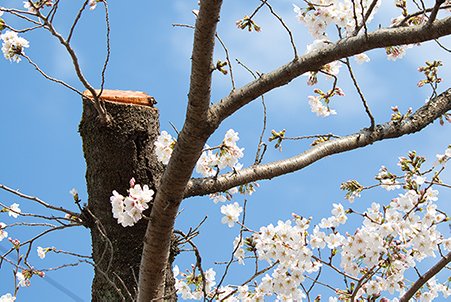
{"x":114,"y":154}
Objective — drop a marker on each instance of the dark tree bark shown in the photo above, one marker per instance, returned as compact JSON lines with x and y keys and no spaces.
{"x":114,"y":154}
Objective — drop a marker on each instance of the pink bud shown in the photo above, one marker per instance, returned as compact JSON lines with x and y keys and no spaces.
{"x":339,"y":91}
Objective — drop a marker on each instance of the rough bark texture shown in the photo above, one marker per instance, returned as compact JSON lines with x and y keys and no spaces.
{"x":114,"y":154}
{"x":190,"y":143}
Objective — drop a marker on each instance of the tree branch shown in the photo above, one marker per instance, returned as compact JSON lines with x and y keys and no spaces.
{"x":435,"y":11}
{"x":315,"y":60}
{"x":189,"y":146}
{"x":426,"y":277}
{"x":420,"y":119}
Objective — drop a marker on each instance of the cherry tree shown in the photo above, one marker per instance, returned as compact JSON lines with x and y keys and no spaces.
{"x":138,"y":175}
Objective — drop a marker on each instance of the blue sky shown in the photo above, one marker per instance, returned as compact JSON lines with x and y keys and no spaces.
{"x":41,"y":151}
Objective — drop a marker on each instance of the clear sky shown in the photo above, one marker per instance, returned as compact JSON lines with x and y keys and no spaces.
{"x":41,"y":152}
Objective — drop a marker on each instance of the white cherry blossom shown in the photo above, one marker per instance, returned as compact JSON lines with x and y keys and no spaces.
{"x":41,"y":252}
{"x":231,"y":213}
{"x":7,"y":298}
{"x":3,"y":233}
{"x":14,"y":210}
{"x":13,"y":46}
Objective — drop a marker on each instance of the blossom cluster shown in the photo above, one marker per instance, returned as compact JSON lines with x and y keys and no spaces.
{"x":13,"y":46}
{"x":24,"y":276}
{"x":232,"y":212}
{"x":13,"y":211}
{"x":211,"y":161}
{"x":246,"y":189}
{"x":93,"y":4}
{"x":183,"y":285}
{"x":346,"y":14}
{"x":387,"y":179}
{"x":350,"y":15}
{"x":225,"y":155}
{"x":7,"y":298}
{"x":129,"y":210}
{"x":164,"y":145}
{"x":42,"y":252}
{"x":33,"y":7}
{"x":320,"y":104}
{"x":390,"y":240}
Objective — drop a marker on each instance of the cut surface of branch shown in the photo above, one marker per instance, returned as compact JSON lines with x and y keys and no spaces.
{"x":123,"y":96}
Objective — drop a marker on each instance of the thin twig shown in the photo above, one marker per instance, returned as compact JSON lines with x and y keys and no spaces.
{"x":365,"y":18}
{"x":226,"y":51}
{"x":256,"y":10}
{"x":49,"y":77}
{"x":124,"y":286}
{"x":224,"y":47}
{"x":321,"y":283}
{"x":293,"y":45}
{"x":251,"y":278}
{"x":51,"y":269}
{"x":238,"y":245}
{"x":20,"y":14}
{"x":362,"y":97}
{"x":24,"y":30}
{"x":259,"y":154}
{"x":33,"y":198}
{"x":442,"y":46}
{"x":105,"y":275}
{"x":72,"y":254}
{"x":77,"y":18}
{"x":198,"y":261}
{"x":98,"y":103}
{"x":108,"y":47}
{"x":422,"y":12}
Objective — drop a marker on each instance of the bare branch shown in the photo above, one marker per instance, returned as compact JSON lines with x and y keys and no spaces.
{"x":314,"y":61}
{"x":403,"y":22}
{"x":296,"y":138}
{"x":426,"y":277}
{"x":420,"y":119}
{"x":77,"y":18}
{"x":365,"y":17}
{"x":98,"y":104}
{"x":435,"y":10}
{"x":33,"y":198}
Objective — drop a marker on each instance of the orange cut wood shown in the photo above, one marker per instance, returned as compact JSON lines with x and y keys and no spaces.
{"x":124,"y":96}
